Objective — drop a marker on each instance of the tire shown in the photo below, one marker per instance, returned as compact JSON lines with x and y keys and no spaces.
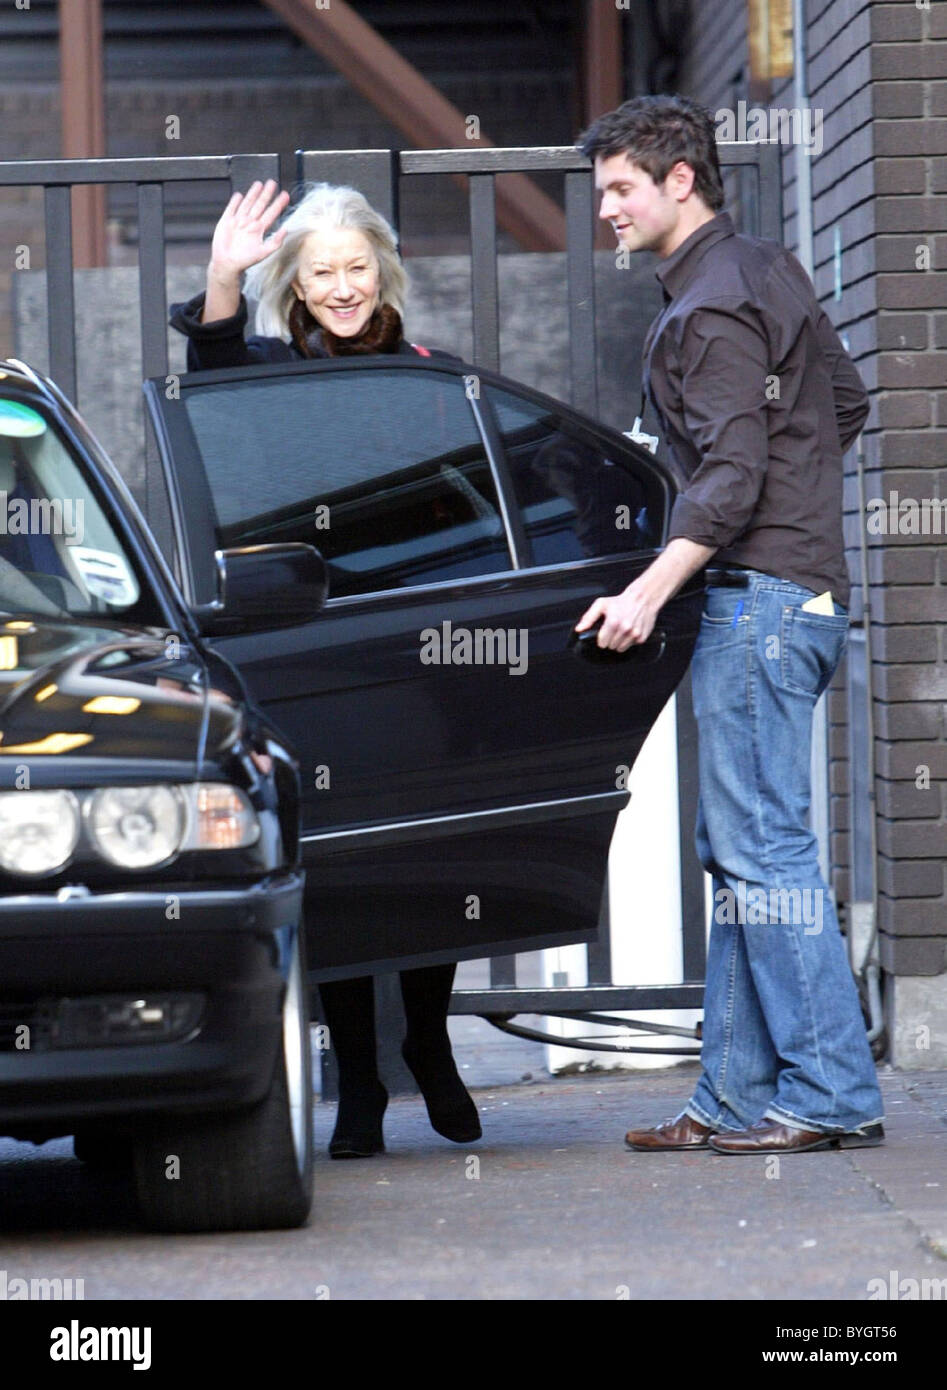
{"x":250,"y":1170}
{"x":102,"y":1151}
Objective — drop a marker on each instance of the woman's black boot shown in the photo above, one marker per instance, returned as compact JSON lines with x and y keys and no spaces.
{"x":427,"y":1053}
{"x":349,"y":1010}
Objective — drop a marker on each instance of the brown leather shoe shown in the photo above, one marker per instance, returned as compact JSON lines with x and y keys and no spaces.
{"x":681,"y":1132}
{"x":770,"y":1137}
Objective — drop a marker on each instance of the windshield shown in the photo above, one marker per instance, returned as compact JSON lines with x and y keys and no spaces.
{"x":58,"y":553}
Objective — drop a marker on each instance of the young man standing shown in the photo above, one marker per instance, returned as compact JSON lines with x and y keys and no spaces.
{"x":758,"y":401}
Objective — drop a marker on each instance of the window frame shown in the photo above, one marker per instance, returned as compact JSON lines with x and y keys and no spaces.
{"x":630,"y":456}
{"x":195,"y":523}
{"x":153,"y":607}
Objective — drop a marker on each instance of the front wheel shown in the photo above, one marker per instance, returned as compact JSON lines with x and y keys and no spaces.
{"x":250,"y":1170}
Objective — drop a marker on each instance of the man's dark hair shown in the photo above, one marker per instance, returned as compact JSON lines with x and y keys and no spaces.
{"x":655,"y":132}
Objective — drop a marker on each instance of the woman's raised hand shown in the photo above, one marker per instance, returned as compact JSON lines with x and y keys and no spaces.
{"x":241,"y":240}
{"x":240,"y":237}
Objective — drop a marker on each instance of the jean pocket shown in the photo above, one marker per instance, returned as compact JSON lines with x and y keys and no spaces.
{"x":723,"y":607}
{"x":811,"y":647}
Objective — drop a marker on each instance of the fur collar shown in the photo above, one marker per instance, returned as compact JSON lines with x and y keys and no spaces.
{"x":382,"y":333}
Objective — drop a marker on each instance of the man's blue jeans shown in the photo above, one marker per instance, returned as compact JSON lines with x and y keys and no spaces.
{"x":783,"y":1035}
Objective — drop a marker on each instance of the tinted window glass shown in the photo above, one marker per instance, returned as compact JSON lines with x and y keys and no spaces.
{"x":383,"y":471}
{"x":576,"y":502}
{"x":58,"y":552}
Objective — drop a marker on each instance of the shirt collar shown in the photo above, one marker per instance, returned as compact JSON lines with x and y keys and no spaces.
{"x":675,"y":270}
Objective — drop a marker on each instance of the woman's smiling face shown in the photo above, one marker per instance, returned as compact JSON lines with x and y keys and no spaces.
{"x":337,"y":278}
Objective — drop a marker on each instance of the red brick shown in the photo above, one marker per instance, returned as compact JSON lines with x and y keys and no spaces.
{"x":905,"y":331}
{"x":900,"y":761}
{"x":913,"y":214}
{"x":840,"y":849}
{"x":910,"y":137}
{"x":900,"y":176}
{"x":909,"y":721}
{"x":911,"y":682}
{"x":897,"y":99}
{"x":914,"y":642}
{"x":911,"y":955}
{"x":918,"y":289}
{"x":919,"y":878}
{"x":889,"y":564}
{"x":904,"y":409}
{"x":897,"y":21}
{"x":910,"y":605}
{"x":908,"y":61}
{"x":915,"y":447}
{"x":913,"y":840}
{"x":904,"y":801}
{"x":915,"y":370}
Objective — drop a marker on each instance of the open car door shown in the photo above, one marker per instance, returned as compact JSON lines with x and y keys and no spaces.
{"x":462,"y":766}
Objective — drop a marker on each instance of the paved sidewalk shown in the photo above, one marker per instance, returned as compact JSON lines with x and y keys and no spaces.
{"x":560,"y":1210}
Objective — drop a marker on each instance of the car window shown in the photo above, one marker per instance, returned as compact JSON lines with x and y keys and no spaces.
{"x":576,"y":499}
{"x":383,"y":471}
{"x":58,"y":551}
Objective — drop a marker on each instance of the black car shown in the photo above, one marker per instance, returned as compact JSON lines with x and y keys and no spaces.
{"x":460,"y":765}
{"x":152,"y":973}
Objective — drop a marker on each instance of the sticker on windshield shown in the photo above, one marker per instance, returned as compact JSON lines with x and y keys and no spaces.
{"x":18,"y":421}
{"x":106,"y":575}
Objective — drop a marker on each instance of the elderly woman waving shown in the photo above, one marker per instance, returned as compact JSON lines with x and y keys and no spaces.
{"x":329,"y":281}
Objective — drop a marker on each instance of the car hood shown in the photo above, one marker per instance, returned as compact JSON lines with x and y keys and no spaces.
{"x":76,"y":694}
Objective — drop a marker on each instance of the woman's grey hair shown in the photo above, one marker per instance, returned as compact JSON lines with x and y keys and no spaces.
{"x":270,"y":282}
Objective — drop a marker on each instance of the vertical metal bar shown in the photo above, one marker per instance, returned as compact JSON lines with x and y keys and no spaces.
{"x":771,"y":194}
{"x":581,"y":281}
{"x":483,"y":272}
{"x":693,"y":914}
{"x":153,"y":313}
{"x":503,"y":972}
{"x":373,"y":172}
{"x":152,"y":291}
{"x":60,"y":296}
{"x":599,"y":952}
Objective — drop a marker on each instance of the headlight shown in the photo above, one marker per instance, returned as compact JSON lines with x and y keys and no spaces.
{"x":137,"y":827}
{"x":38,"y":830}
{"x":131,"y":827}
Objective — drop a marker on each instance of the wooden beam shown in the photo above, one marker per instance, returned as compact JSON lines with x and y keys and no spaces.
{"x":602,"y":78}
{"x":416,"y":108}
{"x":604,"y":83}
{"x":82,"y":87}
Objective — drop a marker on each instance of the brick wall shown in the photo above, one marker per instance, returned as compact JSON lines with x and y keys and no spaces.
{"x":906,"y":451}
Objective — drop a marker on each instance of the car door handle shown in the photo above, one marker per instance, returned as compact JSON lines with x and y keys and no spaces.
{"x":584,"y":644}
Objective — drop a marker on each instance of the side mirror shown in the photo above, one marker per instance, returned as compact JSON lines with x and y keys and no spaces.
{"x":265,"y":586}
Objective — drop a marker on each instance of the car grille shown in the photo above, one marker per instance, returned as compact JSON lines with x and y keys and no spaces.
{"x":36,"y":1016}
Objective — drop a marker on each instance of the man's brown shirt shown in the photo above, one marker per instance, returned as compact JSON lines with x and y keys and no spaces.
{"x":759,"y":401}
